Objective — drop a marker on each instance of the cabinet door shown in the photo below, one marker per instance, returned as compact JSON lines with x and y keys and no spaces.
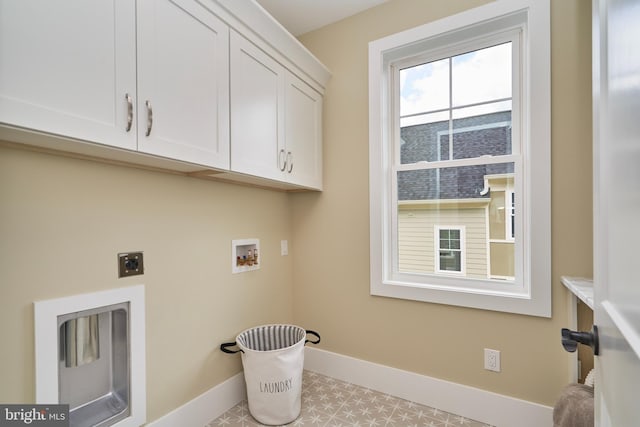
{"x":303,"y":134}
{"x":67,"y":66}
{"x":257,"y":111}
{"x":183,"y":82}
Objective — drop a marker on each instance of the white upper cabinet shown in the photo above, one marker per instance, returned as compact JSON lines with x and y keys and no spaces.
{"x":69,"y":68}
{"x":75,"y":75}
{"x":183,"y":82}
{"x":303,"y":135}
{"x":213,"y":88}
{"x":257,"y":110}
{"x":276,"y":130}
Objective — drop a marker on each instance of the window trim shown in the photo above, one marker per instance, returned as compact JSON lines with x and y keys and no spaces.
{"x":535,"y":296}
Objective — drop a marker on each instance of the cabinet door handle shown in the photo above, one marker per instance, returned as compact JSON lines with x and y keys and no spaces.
{"x":149,"y":117}
{"x":127,"y":97}
{"x":290,"y":161}
{"x":282,"y":165}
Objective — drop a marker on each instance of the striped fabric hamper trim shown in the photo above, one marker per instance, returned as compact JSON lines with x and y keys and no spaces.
{"x":271,"y":337}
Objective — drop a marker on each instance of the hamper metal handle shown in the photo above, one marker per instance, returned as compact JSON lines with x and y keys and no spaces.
{"x":310,"y":332}
{"x":225,"y":348}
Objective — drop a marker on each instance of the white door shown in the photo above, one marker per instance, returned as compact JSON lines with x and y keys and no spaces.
{"x":303,"y":140}
{"x":616,"y":56}
{"x":257,"y":111}
{"x":183,"y":82}
{"x":69,"y":68}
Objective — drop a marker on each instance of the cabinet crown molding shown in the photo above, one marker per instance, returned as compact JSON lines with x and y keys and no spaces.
{"x":257,"y":25}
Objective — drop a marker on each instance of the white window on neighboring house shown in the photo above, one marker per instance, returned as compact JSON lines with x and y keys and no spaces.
{"x":450,"y":249}
{"x":460,"y":134}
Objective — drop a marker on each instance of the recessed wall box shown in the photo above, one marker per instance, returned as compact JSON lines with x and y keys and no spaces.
{"x":90,"y":354}
{"x":245,"y":255}
{"x":93,"y":367}
{"x":130,"y":264}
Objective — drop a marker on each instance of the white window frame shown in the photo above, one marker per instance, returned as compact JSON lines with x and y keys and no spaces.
{"x":462,"y":250}
{"x":468,"y":129}
{"x":530,"y":294}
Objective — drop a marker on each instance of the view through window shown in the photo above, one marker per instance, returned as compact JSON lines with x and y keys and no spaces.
{"x":454,"y":190}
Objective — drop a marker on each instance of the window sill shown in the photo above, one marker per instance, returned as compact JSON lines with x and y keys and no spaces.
{"x":517,"y":301}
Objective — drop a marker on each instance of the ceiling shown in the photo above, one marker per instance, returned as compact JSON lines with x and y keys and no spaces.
{"x":302,"y":16}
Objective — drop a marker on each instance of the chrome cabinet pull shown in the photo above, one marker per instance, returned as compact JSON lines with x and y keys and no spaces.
{"x":284,"y":165}
{"x":290,"y":161}
{"x":149,"y":117}
{"x":127,"y":97}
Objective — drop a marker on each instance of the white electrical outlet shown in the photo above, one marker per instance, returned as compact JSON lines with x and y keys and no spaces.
{"x":284,"y":247}
{"x":492,"y":360}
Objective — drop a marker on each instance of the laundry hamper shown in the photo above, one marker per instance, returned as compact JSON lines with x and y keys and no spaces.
{"x":273,"y":358}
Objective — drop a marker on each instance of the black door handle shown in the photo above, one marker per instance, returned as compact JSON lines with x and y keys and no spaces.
{"x":570,"y":340}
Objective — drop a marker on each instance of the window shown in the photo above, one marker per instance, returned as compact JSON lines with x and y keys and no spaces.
{"x":450,"y":249}
{"x":459,"y":160}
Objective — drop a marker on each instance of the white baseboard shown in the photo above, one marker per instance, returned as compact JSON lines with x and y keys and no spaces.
{"x":206,"y":407}
{"x":491,"y":408}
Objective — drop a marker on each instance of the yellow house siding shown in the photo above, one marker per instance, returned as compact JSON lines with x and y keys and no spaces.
{"x":416,"y":243}
{"x":502,"y":259}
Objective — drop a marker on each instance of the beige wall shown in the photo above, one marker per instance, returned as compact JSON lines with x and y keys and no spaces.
{"x":331,"y":229}
{"x":62,"y":223}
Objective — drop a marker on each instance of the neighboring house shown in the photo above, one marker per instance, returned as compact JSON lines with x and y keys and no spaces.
{"x":464,"y":215}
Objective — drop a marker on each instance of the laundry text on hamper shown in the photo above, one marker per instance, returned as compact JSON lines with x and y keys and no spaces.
{"x":276,"y":386}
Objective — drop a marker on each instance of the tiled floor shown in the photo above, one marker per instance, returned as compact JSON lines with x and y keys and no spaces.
{"x":330,"y":402}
